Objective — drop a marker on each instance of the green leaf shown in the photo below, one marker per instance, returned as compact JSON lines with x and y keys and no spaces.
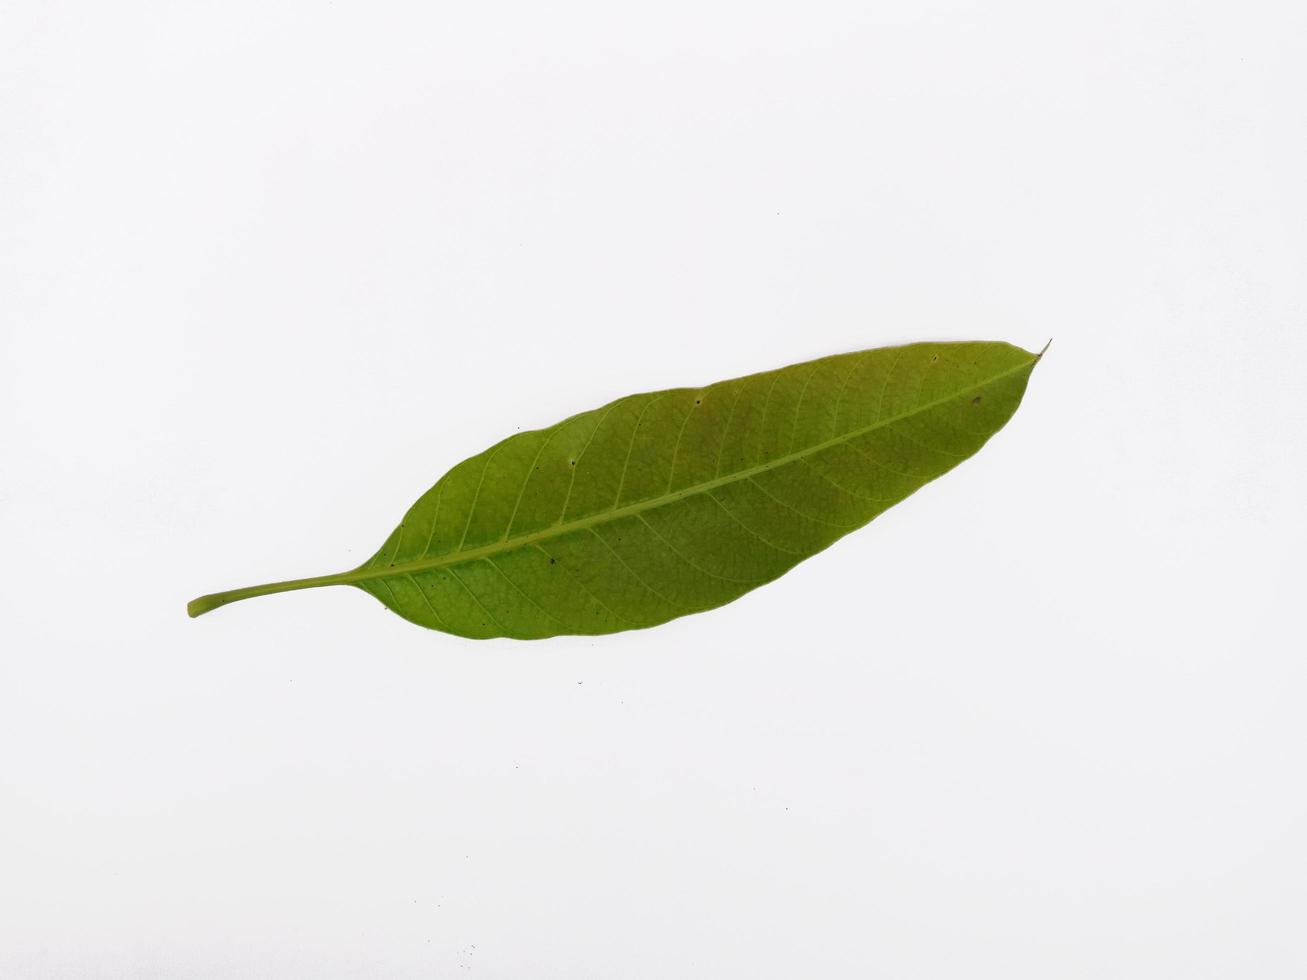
{"x":672,"y":502}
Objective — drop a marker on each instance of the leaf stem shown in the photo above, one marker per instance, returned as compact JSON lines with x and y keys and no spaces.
{"x":207,"y":603}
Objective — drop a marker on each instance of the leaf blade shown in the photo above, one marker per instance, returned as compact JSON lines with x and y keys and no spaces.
{"x":671,"y":489}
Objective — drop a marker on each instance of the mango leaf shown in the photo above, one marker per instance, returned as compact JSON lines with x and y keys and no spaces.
{"x":668,"y":503}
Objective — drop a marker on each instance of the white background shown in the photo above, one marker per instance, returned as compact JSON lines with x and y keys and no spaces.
{"x":268,"y":269}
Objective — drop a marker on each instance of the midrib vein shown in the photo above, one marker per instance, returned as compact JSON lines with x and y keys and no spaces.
{"x":651,"y":503}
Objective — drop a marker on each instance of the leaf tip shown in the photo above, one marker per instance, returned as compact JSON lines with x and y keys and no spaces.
{"x":1044,"y":348}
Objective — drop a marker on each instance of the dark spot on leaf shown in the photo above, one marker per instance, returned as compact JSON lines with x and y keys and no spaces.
{"x":976,"y":400}
{"x":571,"y":462}
{"x":551,"y":561}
